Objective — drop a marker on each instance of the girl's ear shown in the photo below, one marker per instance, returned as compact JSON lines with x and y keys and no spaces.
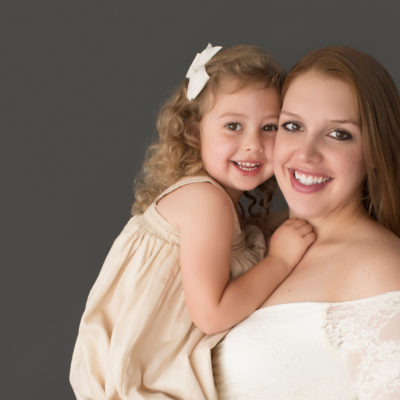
{"x":195,"y":129}
{"x":192,"y":134}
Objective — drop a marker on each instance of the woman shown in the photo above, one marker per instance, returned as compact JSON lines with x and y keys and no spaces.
{"x":332,"y":329}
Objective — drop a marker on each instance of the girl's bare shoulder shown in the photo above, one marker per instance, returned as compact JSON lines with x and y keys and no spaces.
{"x":193,"y":201}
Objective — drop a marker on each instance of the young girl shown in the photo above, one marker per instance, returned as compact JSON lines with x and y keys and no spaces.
{"x":181,"y":267}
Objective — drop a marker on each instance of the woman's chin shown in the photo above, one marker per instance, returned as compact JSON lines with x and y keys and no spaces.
{"x":305,"y":212}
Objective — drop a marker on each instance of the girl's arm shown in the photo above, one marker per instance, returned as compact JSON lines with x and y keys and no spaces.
{"x":204,"y":217}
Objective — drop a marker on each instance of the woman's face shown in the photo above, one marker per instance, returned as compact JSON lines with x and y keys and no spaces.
{"x":318,"y":156}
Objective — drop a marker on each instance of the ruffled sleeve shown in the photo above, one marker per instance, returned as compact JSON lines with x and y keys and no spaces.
{"x":248,"y":249}
{"x":367,"y":334}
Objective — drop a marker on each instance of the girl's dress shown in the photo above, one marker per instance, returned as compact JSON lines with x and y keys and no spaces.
{"x":314,"y":351}
{"x":136,"y":339}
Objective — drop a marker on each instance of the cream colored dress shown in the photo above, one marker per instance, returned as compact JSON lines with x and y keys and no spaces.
{"x":136,"y":339}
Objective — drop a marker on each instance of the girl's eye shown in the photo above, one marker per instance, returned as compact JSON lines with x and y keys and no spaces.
{"x":340,"y":134}
{"x":233,"y":126}
{"x":291,"y":126}
{"x":270,"y":128}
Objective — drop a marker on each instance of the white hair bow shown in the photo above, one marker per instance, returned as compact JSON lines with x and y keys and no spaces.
{"x":197,"y":74}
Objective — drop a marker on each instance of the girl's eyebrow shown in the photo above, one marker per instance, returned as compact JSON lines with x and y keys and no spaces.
{"x":240,"y":115}
{"x":232,"y":114}
{"x":337,"y":121}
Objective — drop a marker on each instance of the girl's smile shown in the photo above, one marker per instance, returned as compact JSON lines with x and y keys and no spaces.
{"x":248,"y":167}
{"x":237,"y":137}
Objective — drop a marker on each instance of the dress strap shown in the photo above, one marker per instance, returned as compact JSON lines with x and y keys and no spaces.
{"x":197,"y":179}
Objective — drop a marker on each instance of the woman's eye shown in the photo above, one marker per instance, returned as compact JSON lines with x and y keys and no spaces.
{"x":339,"y":134}
{"x":270,"y":128}
{"x":291,"y":126}
{"x":233,"y":126}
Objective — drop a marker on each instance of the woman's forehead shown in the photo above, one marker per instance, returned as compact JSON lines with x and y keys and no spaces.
{"x":314,"y":93}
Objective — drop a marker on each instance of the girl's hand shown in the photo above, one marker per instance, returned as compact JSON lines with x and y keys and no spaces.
{"x":291,"y":240}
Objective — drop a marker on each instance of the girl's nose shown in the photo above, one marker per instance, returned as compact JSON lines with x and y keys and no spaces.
{"x":253,"y":143}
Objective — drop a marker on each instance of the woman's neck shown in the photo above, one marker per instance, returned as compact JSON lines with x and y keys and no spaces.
{"x":337,"y":226}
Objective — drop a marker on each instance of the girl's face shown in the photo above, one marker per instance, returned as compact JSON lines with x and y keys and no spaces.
{"x":318,"y":157}
{"x":237,"y":137}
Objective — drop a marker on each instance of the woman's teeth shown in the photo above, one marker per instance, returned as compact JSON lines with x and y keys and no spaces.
{"x":247,"y":166}
{"x":310,"y":179}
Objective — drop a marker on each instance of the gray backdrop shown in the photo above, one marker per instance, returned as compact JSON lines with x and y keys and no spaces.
{"x":81,"y":84}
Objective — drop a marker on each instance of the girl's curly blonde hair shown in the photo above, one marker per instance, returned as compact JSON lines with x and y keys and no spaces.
{"x":176,"y":153}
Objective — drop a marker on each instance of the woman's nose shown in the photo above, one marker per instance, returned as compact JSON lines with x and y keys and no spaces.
{"x":308,"y":151}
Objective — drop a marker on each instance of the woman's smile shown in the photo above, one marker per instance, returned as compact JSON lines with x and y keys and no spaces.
{"x":318,"y":156}
{"x":306,"y":182}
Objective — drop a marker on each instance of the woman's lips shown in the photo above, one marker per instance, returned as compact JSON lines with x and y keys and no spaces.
{"x":306,"y":182}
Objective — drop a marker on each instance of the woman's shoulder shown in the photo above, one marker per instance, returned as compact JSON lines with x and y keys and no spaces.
{"x":375,"y":263}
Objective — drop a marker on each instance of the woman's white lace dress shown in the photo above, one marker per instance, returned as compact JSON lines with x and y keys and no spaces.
{"x":314,"y":351}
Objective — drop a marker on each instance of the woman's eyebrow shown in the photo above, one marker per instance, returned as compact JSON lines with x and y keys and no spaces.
{"x":345,"y":121}
{"x":337,"y":121}
{"x":289,"y":114}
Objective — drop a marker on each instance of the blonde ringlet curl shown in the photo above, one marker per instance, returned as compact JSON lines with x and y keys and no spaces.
{"x":379,"y":107}
{"x":176,"y":152}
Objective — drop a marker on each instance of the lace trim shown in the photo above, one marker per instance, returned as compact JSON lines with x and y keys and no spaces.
{"x":369,"y":332}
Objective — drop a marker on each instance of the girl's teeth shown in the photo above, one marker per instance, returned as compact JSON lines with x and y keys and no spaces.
{"x":247,"y":166}
{"x":309,"y":179}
